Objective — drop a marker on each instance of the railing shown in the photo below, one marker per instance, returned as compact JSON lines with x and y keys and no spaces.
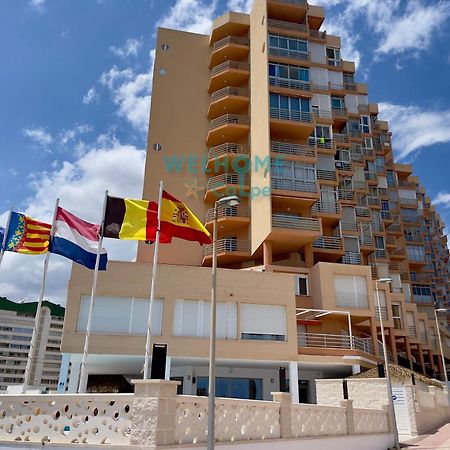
{"x":293,"y":2}
{"x":355,"y":133}
{"x":319,"y":340}
{"x":362,"y":211}
{"x":294,"y":221}
{"x":229,"y":90}
{"x":228,"y":149}
{"x":370,"y":176}
{"x":339,"y":137}
{"x":228,"y":245}
{"x":366,"y":241}
{"x":231,"y":40}
{"x":326,"y":207}
{"x":316,"y":34}
{"x":329,"y":175}
{"x":384,"y":312}
{"x":290,"y":84}
{"x":408,"y":201}
{"x":335,"y":62}
{"x":345,"y":194}
{"x":287,"y":53}
{"x":351,"y":258}
{"x":321,"y":142}
{"x":386,"y":215}
{"x":383,"y":192}
{"x":380,"y":253}
{"x":301,"y":27}
{"x":227,"y":65}
{"x":239,"y":211}
{"x":227,"y":178}
{"x":285,"y":148}
{"x":339,"y":112}
{"x":229,"y":119}
{"x":349,"y":226}
{"x":403,"y":183}
{"x":329,"y":243}
{"x":374,"y":201}
{"x":322,"y":113}
{"x":294,"y":185}
{"x":290,"y":114}
{"x":343,"y":165}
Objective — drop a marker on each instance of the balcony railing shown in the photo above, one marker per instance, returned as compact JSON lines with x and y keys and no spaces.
{"x":229,"y":90}
{"x":322,"y":113}
{"x":294,"y":185}
{"x":227,"y":178}
{"x":381,"y":253}
{"x":321,"y":142}
{"x":337,"y":341}
{"x":290,"y":84}
{"x":403,"y":183}
{"x":290,"y":114}
{"x":230,"y":40}
{"x":294,"y":221}
{"x":386,"y":215}
{"x":343,"y":165}
{"x":227,"y":65}
{"x":301,"y":27}
{"x":293,"y":2}
{"x":316,"y":34}
{"x":342,"y":138}
{"x":285,"y":148}
{"x":384,"y":312}
{"x":370,"y":176}
{"x":366,"y":241}
{"x":287,"y":53}
{"x":223,"y":212}
{"x":359,"y":184}
{"x":229,"y":119}
{"x":355,"y":133}
{"x":349,"y":226}
{"x":345,"y":194}
{"x":326,"y":207}
{"x":362,"y":211}
{"x":374,"y":201}
{"x":329,"y":243}
{"x":228,"y":149}
{"x":351,"y":258}
{"x":408,"y":201}
{"x":228,"y":245}
{"x":329,"y":175}
{"x":339,"y":112}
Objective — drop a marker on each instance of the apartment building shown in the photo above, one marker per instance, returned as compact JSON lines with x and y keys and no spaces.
{"x":16,"y":329}
{"x":265,"y":108}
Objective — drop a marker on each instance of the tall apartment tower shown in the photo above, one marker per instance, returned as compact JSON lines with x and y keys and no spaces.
{"x":265,"y":108}
{"x":16,"y":329}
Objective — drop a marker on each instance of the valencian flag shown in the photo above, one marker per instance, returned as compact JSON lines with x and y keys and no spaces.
{"x":138,"y":220}
{"x":27,"y":236}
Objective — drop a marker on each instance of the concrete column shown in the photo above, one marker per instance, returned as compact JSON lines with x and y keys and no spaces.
{"x":373,"y":332}
{"x":309,"y":256}
{"x":285,"y":400}
{"x":168,"y":367}
{"x":349,"y":415}
{"x":63,"y":373}
{"x":154,"y":413}
{"x":74,"y":376}
{"x":267,"y":253}
{"x":293,"y":381}
{"x":431,"y":359}
{"x":393,"y":344}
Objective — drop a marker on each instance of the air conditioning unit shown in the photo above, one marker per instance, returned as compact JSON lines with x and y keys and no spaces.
{"x":386,"y":144}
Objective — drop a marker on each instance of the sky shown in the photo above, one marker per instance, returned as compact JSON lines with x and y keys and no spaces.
{"x":75,"y":91}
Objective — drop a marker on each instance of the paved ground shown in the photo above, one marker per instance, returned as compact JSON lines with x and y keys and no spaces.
{"x":437,"y":439}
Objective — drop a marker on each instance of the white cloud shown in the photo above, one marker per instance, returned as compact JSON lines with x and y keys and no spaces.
{"x":37,"y":5}
{"x":80,"y":185}
{"x":195,"y":16}
{"x":38,"y":135}
{"x":130,"y":48}
{"x":240,"y":5}
{"x":442,"y":198}
{"x":90,"y":96}
{"x":69,"y":135}
{"x":413,"y":128}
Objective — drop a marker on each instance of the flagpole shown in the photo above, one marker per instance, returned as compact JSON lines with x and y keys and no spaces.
{"x":83,"y":371}
{"x":37,"y":318}
{"x":152,"y":288}
{"x":5,"y":237}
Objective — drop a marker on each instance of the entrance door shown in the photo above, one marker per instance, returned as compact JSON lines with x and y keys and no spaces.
{"x":303,"y":391}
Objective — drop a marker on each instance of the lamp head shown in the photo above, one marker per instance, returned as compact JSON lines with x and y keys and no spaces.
{"x":384,"y":280}
{"x":231,"y":200}
{"x":441,"y":310}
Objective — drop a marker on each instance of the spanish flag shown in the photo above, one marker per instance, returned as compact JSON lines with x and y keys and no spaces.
{"x":138,"y":220}
{"x":27,"y":236}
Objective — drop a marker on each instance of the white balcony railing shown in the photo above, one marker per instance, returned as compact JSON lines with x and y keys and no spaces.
{"x":287,"y":53}
{"x":294,"y":221}
{"x":290,"y":84}
{"x":337,"y":341}
{"x":294,"y":185}
{"x":228,"y":149}
{"x":329,"y":243}
{"x":301,"y":27}
{"x":286,"y":148}
{"x":229,"y":245}
{"x":230,"y":40}
{"x":230,"y":65}
{"x":290,"y":114}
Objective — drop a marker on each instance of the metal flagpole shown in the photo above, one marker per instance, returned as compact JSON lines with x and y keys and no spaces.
{"x":5,"y":237}
{"x":37,"y":319}
{"x":152,"y":288}
{"x":83,"y":372}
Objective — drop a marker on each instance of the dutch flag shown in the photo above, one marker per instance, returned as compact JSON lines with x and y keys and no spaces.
{"x":77,"y":240}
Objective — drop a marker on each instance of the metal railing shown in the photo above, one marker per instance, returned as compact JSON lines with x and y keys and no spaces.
{"x":355,"y":133}
{"x":294,"y":185}
{"x":343,"y":165}
{"x":227,"y":178}
{"x":229,"y":90}
{"x":229,"y":119}
{"x":293,"y":2}
{"x":366,"y":241}
{"x":408,"y":201}
{"x":370,"y":176}
{"x":338,"y":341}
{"x":287,"y":53}
{"x":321,"y":142}
{"x":301,"y":27}
{"x":228,"y":245}
{"x":322,"y":113}
{"x":362,"y":211}
{"x":383,"y":192}
{"x":339,"y":137}
{"x":316,"y":34}
{"x":386,"y":215}
{"x":349,"y":226}
{"x":228,"y":149}
{"x":290,"y":114}
{"x":339,"y":112}
{"x":374,"y":201}
{"x":335,"y":62}
{"x":351,"y":258}
{"x":285,"y":148}
{"x":403,"y":183}
{"x":345,"y":194}
{"x":329,"y":243}
{"x":381,"y":253}
{"x":223,"y":212}
{"x":384,"y":312}
{"x":359,"y":184}
{"x":290,"y":84}
{"x":227,"y":65}
{"x":329,"y":175}
{"x":294,"y":221}
{"x":326,"y":207}
{"x":231,"y":40}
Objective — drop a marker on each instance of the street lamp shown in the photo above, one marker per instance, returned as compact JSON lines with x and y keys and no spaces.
{"x":229,"y":201}
{"x":440,"y":343}
{"x":386,"y":360}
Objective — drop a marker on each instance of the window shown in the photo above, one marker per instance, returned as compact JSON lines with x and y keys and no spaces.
{"x":415,"y":253}
{"x":351,"y":291}
{"x":365,"y":124}
{"x":289,"y":103}
{"x":379,"y":242}
{"x":262,"y":322}
{"x":349,"y":80}
{"x":410,"y":215}
{"x":191,"y":318}
{"x":301,"y":285}
{"x":291,"y":46}
{"x":337,"y":103}
{"x":422,"y":293}
{"x":397,"y":316}
{"x":334,"y":57}
{"x":120,"y":315}
{"x":368,"y":143}
{"x":295,"y":171}
{"x":245,"y":388}
{"x":321,"y":136}
{"x":383,"y":306}
{"x":379,"y":164}
{"x":288,"y":72}
{"x":390,"y":178}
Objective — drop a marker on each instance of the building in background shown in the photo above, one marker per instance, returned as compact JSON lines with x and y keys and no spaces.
{"x":16,"y":329}
{"x":265,"y":108}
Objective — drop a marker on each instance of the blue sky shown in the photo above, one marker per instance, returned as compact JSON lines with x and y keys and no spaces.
{"x":75,"y":92}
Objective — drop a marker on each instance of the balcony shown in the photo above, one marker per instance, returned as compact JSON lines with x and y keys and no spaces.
{"x":341,"y":138}
{"x":303,"y":186}
{"x":340,"y":114}
{"x":343,"y":166}
{"x":407,"y":184}
{"x":326,"y":175}
{"x":230,"y":47}
{"x":290,"y":122}
{"x":229,"y":73}
{"x":323,"y":115}
{"x":301,"y":152}
{"x":229,"y":218}
{"x":349,"y":226}
{"x":367,"y":241}
{"x":346,"y":195}
{"x":284,"y":25}
{"x":285,"y":83}
{"x":228,"y":128}
{"x":359,"y":184}
{"x":329,"y":248}
{"x":374,"y":201}
{"x":296,"y":55}
{"x":318,"y":35}
{"x":290,"y":10}
{"x":351,"y":258}
{"x":362,"y":211}
{"x":231,"y":99}
{"x":220,"y":157}
{"x":381,"y":253}
{"x":408,"y":202}
{"x":370,"y":176}
{"x":228,"y":182}
{"x":229,"y":251}
{"x":326,"y":208}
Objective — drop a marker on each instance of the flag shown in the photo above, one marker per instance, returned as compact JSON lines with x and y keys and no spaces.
{"x":77,"y":240}
{"x":177,"y":220}
{"x":27,"y":236}
{"x":131,"y":219}
{"x":2,"y":236}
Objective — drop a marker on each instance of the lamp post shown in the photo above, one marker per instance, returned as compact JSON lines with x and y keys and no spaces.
{"x":386,"y":360}
{"x":229,"y":201}
{"x":440,"y":343}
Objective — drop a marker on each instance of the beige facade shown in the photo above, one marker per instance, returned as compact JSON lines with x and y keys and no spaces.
{"x":265,"y":108}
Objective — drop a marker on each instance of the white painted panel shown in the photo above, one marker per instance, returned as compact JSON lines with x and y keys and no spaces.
{"x":351,"y":102}
{"x":323,"y":102}
{"x":319,"y":76}
{"x":318,"y":54}
{"x":363,"y":99}
{"x":382,"y":182}
{"x":335,"y":77}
